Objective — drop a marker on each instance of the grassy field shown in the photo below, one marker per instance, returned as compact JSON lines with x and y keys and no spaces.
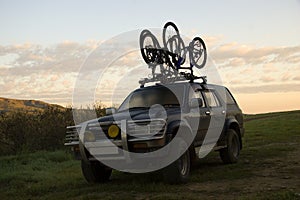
{"x":269,"y":168}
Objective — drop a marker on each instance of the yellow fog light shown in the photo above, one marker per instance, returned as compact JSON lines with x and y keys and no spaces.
{"x":113,"y":131}
{"x":89,"y":136}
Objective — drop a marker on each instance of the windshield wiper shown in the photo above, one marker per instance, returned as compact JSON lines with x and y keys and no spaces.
{"x":134,"y":108}
{"x":171,"y":105}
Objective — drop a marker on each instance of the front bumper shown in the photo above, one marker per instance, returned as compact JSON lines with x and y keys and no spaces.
{"x":133,"y":138}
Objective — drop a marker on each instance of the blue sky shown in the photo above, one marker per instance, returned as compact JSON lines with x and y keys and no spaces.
{"x":254,"y":44}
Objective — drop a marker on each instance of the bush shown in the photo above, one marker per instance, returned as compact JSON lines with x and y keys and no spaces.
{"x":26,"y":131}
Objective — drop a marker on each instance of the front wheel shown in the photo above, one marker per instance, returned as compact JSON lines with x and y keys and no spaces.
{"x":179,"y":171}
{"x":149,"y":47}
{"x":95,"y":172}
{"x":231,"y":153}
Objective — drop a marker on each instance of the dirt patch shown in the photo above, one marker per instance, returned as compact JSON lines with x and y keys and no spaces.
{"x":279,"y":175}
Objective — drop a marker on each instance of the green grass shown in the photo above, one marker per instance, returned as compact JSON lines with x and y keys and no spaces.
{"x":268,"y":169}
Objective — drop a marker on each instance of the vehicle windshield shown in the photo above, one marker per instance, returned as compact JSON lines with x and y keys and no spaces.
{"x":146,"y":97}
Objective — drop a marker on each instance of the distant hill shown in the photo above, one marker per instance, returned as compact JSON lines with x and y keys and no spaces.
{"x":8,"y":105}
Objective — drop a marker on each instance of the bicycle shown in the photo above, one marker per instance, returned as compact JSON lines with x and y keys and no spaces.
{"x":173,"y":55}
{"x":155,"y":56}
{"x":174,"y":40}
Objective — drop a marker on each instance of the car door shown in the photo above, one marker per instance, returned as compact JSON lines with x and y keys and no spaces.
{"x":217,"y":114}
{"x":199,"y":115}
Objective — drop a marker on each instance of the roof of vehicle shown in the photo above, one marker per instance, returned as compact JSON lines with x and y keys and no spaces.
{"x":203,"y":85}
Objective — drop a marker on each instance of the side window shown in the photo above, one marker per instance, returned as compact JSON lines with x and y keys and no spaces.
{"x":229,"y":98}
{"x":211,"y":98}
{"x":196,"y":94}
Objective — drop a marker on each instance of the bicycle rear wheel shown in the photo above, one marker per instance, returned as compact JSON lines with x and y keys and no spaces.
{"x":175,"y":46}
{"x":197,"y":52}
{"x":149,"y":47}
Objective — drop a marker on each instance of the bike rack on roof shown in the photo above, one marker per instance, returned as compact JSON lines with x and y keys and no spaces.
{"x":171,"y":57}
{"x":183,"y":76}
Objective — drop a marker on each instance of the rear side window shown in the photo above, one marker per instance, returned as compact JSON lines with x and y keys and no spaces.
{"x":196,"y":94}
{"x":229,"y":98}
{"x":212,"y":100}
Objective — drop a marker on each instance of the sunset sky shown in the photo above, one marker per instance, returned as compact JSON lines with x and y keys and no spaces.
{"x":255,"y":45}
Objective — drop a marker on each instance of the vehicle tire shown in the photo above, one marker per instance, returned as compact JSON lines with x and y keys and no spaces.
{"x":179,"y":171}
{"x":193,"y":154}
{"x":230,"y":154}
{"x":95,"y":172}
{"x":149,"y":47}
{"x":197,"y":52}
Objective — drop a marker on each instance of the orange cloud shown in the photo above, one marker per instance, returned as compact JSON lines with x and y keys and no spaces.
{"x":268,"y":102}
{"x":49,"y":72}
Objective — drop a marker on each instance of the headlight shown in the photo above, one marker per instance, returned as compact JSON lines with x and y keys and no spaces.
{"x":113,"y":131}
{"x":89,"y":136}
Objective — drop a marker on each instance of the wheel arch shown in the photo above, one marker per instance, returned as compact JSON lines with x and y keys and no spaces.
{"x":233,"y":124}
{"x":173,"y":126}
{"x":172,"y":130}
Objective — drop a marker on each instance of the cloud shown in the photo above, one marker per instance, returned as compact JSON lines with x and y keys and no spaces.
{"x":266,"y":79}
{"x":296,"y":78}
{"x":286,"y":76}
{"x":252,"y":55}
{"x":266,"y":88}
{"x":269,"y":68}
{"x":50,"y":72}
{"x":40,"y":72}
{"x":37,"y":57}
{"x":243,"y":65}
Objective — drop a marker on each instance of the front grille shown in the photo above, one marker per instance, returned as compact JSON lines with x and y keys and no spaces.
{"x":137,"y":130}
{"x":100,"y":132}
{"x":146,"y":129}
{"x":72,"y":135}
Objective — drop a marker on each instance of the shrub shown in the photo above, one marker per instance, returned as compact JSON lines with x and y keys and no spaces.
{"x":25,"y":131}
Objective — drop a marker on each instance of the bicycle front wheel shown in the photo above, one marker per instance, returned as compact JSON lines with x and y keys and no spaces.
{"x":149,"y":47}
{"x":198,"y":53}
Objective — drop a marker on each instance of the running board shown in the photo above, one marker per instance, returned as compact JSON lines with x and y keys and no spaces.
{"x":204,"y":150}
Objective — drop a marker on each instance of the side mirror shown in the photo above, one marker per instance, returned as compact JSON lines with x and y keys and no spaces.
{"x":196,"y":102}
{"x":110,"y":111}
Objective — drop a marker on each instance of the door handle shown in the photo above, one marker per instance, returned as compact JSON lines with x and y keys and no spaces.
{"x":207,"y":113}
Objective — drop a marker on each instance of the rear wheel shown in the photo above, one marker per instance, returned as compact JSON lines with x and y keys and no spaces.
{"x":231,"y":153}
{"x":197,"y":52}
{"x":175,"y":46}
{"x":95,"y":172}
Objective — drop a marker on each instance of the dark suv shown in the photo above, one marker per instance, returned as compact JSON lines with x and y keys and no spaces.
{"x":217,"y":115}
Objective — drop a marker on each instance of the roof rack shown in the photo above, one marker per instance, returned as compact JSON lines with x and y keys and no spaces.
{"x":182,"y":76}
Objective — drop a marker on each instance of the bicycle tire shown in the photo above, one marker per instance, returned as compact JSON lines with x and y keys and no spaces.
{"x":148,"y":51}
{"x":144,"y":32}
{"x":176,"y":47}
{"x":172,"y":29}
{"x":198,"y":55}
